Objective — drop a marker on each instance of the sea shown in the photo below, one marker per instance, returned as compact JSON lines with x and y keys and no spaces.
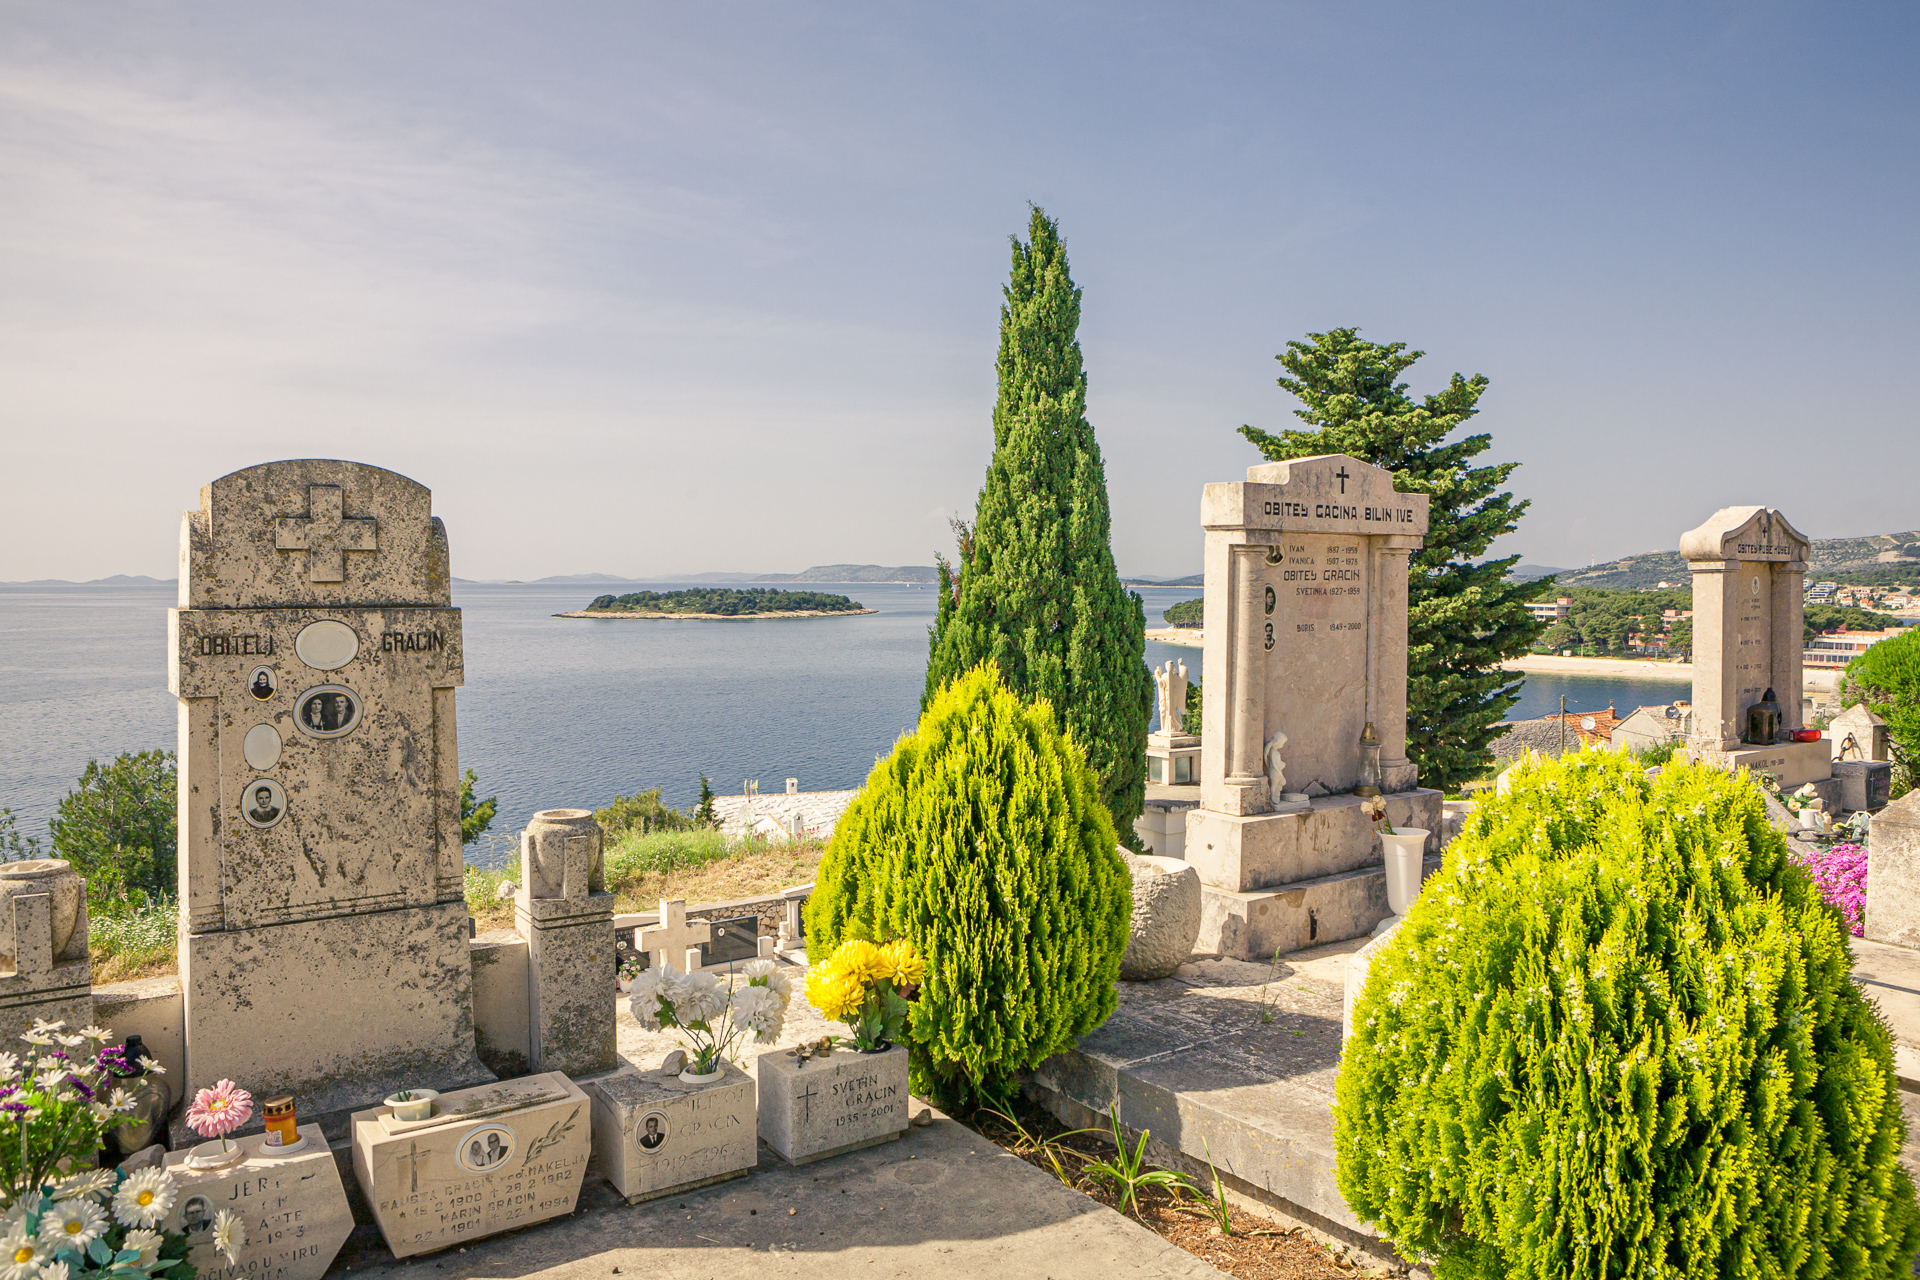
{"x":564,"y":712}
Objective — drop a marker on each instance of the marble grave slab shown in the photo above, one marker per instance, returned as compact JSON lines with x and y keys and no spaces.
{"x":655,"y":1134}
{"x":293,"y":1203}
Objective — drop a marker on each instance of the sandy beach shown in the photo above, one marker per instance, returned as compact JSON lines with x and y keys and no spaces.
{"x":1548,"y":662}
{"x":1188,"y":636}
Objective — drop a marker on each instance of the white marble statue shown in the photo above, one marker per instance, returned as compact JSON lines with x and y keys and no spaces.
{"x":1171,"y":681}
{"x":1276,"y":767}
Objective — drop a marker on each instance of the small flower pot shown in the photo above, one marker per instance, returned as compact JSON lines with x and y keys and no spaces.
{"x":696,"y":1077}
{"x":1406,"y":850}
{"x":624,"y":985}
{"x":208,"y":1155}
{"x":418,"y":1107}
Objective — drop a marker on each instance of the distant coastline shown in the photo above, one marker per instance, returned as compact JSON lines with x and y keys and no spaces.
{"x":716,"y":617}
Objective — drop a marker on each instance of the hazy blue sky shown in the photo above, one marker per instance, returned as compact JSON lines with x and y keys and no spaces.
{"x":663,"y":288}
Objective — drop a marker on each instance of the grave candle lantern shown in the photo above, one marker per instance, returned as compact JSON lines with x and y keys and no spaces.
{"x":1369,"y":783}
{"x":283,"y":1125}
{"x":1763,"y":721}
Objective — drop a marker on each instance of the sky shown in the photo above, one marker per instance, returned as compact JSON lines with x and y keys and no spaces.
{"x":651,"y":289}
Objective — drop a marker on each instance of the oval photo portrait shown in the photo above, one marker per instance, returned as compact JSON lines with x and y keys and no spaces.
{"x":651,"y":1133}
{"x":327,"y":711}
{"x":486,"y":1148}
{"x":263,"y":803}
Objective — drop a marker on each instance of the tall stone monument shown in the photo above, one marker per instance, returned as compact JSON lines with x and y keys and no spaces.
{"x":1749,"y":570}
{"x":1306,"y":650}
{"x":315,"y":654}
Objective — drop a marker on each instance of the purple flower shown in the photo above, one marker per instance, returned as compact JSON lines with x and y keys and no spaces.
{"x":17,"y":1108}
{"x":1840,"y":872}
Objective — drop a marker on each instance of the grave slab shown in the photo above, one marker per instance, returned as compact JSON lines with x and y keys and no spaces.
{"x":293,"y":1202}
{"x":1893,"y":873}
{"x":654,"y":1134}
{"x":490,"y":1159}
{"x":827,"y":1106}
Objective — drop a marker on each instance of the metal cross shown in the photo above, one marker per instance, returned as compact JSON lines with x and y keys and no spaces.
{"x":324,"y":533}
{"x":807,"y":1098}
{"x":1342,"y":476}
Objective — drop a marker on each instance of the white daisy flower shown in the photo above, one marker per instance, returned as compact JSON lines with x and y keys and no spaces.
{"x":84,"y":1184}
{"x":41,"y":1027}
{"x":147,"y":1244}
{"x":72,"y":1224}
{"x":96,"y":1033}
{"x":36,"y":1037}
{"x":54,"y":1271}
{"x":144,"y":1198}
{"x":120,"y":1101}
{"x":20,"y":1255}
{"x":229,"y":1235}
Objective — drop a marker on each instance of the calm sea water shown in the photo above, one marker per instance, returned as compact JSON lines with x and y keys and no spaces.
{"x":559,"y":711}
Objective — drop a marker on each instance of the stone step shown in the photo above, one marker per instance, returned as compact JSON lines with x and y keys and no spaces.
{"x":1262,"y":923}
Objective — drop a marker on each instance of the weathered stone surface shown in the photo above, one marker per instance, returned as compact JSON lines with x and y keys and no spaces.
{"x":1269,"y":850}
{"x":1266,"y":922}
{"x":321,"y":880}
{"x":831,"y":1105}
{"x":1357,"y":966}
{"x":293,"y":1203}
{"x":1857,"y":734}
{"x":1749,"y":568}
{"x":1862,"y":784}
{"x":490,"y":1159}
{"x":1792,"y":764}
{"x":1893,"y":873}
{"x":1166,"y":917}
{"x":563,"y":910}
{"x":44,"y":976}
{"x":500,"y":1021}
{"x":654,"y":1133}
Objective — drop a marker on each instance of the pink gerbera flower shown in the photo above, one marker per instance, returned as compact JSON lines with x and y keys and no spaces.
{"x":218,"y":1111}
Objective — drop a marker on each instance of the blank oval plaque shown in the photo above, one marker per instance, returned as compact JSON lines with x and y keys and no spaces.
{"x":327,"y":645}
{"x":261,"y":747}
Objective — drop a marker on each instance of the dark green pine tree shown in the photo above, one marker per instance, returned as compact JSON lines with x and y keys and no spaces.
{"x":1035,"y":590}
{"x":1463,"y":618}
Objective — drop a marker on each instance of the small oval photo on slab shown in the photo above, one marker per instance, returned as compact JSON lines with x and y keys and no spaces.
{"x":651,"y":1133}
{"x":261,"y":747}
{"x":263,"y":803}
{"x":327,"y":645}
{"x":485,"y":1148}
{"x":327,"y":711}
{"x":261,"y":683}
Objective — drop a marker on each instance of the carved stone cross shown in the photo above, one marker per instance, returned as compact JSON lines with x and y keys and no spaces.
{"x":674,"y":937}
{"x":324,"y":533}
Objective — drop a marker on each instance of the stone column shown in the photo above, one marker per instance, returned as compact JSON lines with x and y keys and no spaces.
{"x":1246,"y":783}
{"x":1387,"y":658}
{"x":563,"y":910}
{"x":1718,"y":716}
{"x":1789,"y":647}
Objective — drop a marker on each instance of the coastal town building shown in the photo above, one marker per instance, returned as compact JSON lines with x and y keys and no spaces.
{"x":1551,"y":611}
{"x":1660,"y":725}
{"x":1835,"y":649}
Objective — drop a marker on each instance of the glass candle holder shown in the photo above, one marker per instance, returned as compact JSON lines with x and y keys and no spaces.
{"x":1369,"y":783}
{"x":283,"y":1123}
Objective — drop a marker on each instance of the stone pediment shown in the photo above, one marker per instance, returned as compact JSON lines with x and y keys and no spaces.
{"x":1745,"y":533}
{"x":1327,"y":493}
{"x":313,"y":531}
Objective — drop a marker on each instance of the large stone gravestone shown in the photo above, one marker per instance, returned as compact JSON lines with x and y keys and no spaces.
{"x":1306,"y":646}
{"x":315,"y":656}
{"x":1749,"y":570}
{"x":488,"y":1160}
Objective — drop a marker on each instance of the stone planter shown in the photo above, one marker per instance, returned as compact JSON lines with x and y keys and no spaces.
{"x":656,"y":1135}
{"x":829,"y":1105}
{"x":1166,"y":917}
{"x":418,"y":1107}
{"x":1406,"y":851}
{"x":56,"y":878}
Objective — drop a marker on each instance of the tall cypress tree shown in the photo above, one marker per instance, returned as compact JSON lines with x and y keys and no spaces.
{"x":1035,"y":590}
{"x":1463,"y":619}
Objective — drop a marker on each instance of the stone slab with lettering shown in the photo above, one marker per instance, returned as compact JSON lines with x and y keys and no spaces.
{"x":315,"y":654}
{"x":293,"y":1203}
{"x":1749,"y":568}
{"x":655,"y":1134}
{"x":829,"y":1105}
{"x":490,"y":1159}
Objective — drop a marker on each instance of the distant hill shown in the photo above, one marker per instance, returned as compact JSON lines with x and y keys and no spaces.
{"x":819,"y":573}
{"x":1528,"y":572}
{"x":117,"y":580}
{"x":1191,"y":580}
{"x":1830,"y":555}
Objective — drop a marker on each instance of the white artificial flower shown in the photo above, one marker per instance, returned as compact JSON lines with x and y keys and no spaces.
{"x":36,"y":1037}
{"x":702,"y":996}
{"x":41,"y":1027}
{"x":71,"y":1042}
{"x":20,"y":1254}
{"x":120,"y":1101}
{"x":84,"y":1184}
{"x":9,"y":1066}
{"x":648,"y":989}
{"x":768,"y":974}
{"x":759,"y":1010}
{"x":229,"y":1235}
{"x":147,"y":1244}
{"x":72,"y":1224}
{"x":23,"y":1208}
{"x":144,"y":1198}
{"x":757,"y":969}
{"x":54,"y":1271}
{"x":96,"y":1033}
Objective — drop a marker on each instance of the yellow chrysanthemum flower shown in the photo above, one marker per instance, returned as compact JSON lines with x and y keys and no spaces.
{"x":903,"y":965}
{"x":860,"y":960}
{"x":835,"y":994}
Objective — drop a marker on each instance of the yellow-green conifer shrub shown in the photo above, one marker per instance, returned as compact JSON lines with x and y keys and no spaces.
{"x":1617,"y":1037}
{"x":983,"y":839}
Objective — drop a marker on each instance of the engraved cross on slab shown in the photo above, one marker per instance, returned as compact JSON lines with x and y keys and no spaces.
{"x":673,"y":935}
{"x":324,"y":533}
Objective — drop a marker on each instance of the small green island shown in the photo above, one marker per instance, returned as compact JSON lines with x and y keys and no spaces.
{"x":720,"y":602}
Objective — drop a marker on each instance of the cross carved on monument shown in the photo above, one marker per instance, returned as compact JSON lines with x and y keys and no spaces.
{"x":807,"y":1098}
{"x":674,"y":935}
{"x":1342,"y":476}
{"x":413,"y":1158}
{"x":324,"y":533}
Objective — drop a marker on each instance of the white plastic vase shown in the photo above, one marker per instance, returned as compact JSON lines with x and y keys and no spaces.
{"x":1406,"y":850}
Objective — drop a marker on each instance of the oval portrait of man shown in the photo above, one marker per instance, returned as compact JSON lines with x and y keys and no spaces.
{"x":651,"y":1133}
{"x":327,"y":711}
{"x":263,"y":803}
{"x":485,"y":1149}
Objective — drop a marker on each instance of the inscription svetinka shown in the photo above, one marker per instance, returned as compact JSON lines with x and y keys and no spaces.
{"x":315,"y":654}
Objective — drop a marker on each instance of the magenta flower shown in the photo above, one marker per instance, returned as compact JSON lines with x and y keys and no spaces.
{"x":1841,"y":875}
{"x":218,"y":1111}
